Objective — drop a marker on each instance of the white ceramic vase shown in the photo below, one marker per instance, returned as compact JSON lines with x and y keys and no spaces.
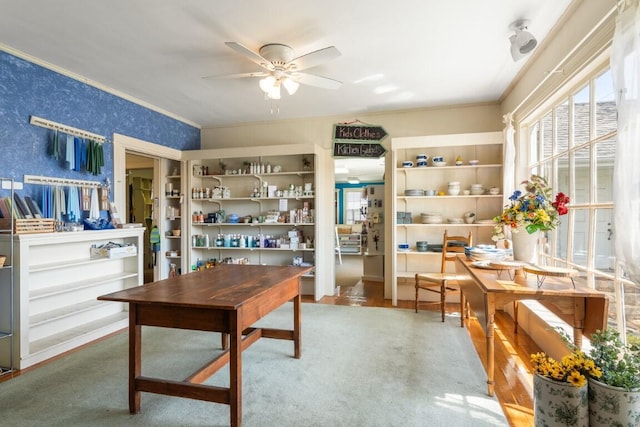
{"x":525,"y":245}
{"x":612,"y":406}
{"x":557,"y":403}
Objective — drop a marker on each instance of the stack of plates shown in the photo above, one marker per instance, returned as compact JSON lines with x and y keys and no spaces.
{"x":487,"y":254}
{"x":477,"y":189}
{"x":455,"y":220}
{"x":484,"y":221}
{"x":414,"y":192}
{"x":431,"y":218}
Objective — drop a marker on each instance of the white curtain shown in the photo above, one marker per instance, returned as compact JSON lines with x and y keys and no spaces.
{"x":625,"y":67}
{"x":509,"y":161}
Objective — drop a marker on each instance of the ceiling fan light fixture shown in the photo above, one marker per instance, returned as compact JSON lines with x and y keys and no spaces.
{"x":522,"y":41}
{"x":290,"y":85}
{"x":274,"y":92}
{"x":267,"y":83}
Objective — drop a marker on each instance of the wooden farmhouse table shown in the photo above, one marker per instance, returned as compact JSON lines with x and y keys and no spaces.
{"x":227,"y":299}
{"x":485,"y":292}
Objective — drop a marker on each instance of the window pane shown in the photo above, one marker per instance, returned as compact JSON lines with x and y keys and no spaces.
{"x":632,"y":300}
{"x":605,"y":153}
{"x":603,"y":251}
{"x":561,"y":237}
{"x":562,"y":185}
{"x":580,"y":236}
{"x":355,"y":206}
{"x":562,"y":127}
{"x":581,"y":116}
{"x":582,"y":180}
{"x":547,"y":132}
{"x":606,"y":116}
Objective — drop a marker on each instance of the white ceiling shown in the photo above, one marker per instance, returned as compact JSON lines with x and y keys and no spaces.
{"x":395,"y":54}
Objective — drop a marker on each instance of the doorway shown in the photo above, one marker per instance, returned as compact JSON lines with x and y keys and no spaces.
{"x":359,"y":190}
{"x":141,"y":203}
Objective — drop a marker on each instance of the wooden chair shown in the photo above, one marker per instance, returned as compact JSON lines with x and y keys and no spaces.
{"x":445,"y":283}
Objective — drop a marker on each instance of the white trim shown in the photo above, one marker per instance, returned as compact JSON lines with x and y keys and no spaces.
{"x":122,"y":144}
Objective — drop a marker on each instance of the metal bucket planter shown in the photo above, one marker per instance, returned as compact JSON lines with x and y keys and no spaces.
{"x":613,"y":406}
{"x":557,"y":403}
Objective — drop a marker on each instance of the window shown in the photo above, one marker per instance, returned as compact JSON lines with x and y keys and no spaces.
{"x":355,"y":207}
{"x":572,"y":144}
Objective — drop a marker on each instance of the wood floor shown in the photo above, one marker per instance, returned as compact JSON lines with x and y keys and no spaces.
{"x":513,"y":379}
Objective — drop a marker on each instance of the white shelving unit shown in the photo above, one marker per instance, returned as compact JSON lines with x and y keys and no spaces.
{"x":57,"y":283}
{"x":350,"y":244}
{"x":171,"y":253}
{"x":484,"y":147}
{"x":7,"y":301}
{"x":256,"y":210}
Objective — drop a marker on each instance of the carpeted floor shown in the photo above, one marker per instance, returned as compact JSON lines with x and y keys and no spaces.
{"x":360,"y":366}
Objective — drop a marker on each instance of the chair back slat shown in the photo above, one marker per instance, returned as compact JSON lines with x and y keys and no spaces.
{"x":453,"y":245}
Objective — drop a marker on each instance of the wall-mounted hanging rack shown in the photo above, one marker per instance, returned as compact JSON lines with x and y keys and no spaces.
{"x":48,"y":124}
{"x":49,"y":180}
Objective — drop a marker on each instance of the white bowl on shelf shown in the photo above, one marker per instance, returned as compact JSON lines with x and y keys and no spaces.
{"x":438,"y":164}
{"x":474,"y":162}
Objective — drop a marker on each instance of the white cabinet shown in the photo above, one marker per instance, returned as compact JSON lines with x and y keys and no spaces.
{"x":413,"y":212}
{"x":56,"y":284}
{"x":254,"y":210}
{"x":350,"y":244}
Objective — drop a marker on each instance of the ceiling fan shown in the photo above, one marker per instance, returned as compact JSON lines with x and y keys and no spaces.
{"x":281,"y":68}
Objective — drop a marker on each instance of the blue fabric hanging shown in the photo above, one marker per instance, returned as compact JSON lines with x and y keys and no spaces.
{"x":73,"y":205}
{"x":70,"y":152}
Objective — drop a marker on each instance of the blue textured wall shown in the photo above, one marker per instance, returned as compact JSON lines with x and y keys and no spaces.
{"x":27,"y":89}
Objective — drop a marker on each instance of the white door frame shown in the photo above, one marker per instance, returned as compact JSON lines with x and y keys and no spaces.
{"x":122,"y":144}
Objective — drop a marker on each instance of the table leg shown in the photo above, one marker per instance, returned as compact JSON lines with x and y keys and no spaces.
{"x":135,"y":346}
{"x":224,"y":340}
{"x":515,"y":317}
{"x":235,"y":367}
{"x":490,"y":355}
{"x":579,"y":313}
{"x":462,"y":309}
{"x":297,"y":326}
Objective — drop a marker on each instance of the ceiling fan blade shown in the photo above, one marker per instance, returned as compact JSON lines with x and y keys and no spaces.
{"x":318,"y":81}
{"x":237,"y":76}
{"x":251,"y":55}
{"x":315,"y":58}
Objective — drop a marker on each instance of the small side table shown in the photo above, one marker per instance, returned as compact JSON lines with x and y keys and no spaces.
{"x":542,"y":272}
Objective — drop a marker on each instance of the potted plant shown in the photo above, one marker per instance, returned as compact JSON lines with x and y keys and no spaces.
{"x":527,"y":213}
{"x":560,"y":388}
{"x":614,"y":397}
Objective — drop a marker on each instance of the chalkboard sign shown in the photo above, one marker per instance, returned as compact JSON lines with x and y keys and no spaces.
{"x":357,"y":149}
{"x":360,"y":132}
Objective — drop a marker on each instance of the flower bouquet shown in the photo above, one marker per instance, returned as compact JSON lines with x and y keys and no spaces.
{"x":532,"y":209}
{"x":560,"y":388}
{"x":574,"y":368}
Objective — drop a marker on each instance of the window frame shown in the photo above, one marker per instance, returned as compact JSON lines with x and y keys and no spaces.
{"x":537,"y":163}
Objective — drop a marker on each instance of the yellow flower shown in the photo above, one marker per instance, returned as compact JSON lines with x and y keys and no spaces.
{"x":572,"y":368}
{"x":577,"y":379}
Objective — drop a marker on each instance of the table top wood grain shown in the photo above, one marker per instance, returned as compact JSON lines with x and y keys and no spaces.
{"x":226,"y":287}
